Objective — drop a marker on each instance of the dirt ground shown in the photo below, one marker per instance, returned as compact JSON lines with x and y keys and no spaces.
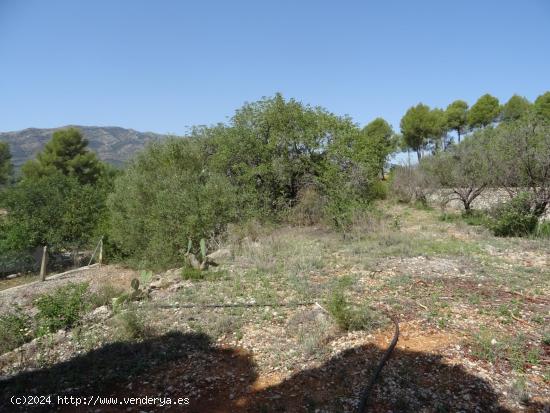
{"x":473,"y":311}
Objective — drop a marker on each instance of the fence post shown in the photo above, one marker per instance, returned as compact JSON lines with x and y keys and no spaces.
{"x":43,"y":264}
{"x":101,"y":251}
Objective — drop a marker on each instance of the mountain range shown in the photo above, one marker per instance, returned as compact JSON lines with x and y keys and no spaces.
{"x":114,"y":145}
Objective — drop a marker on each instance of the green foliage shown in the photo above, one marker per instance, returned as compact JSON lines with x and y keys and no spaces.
{"x":15,"y":330}
{"x":520,"y":159}
{"x":542,"y":106}
{"x":54,"y":210}
{"x":167,"y":196}
{"x":377,"y":142}
{"x":347,"y":316}
{"x":6,"y":166}
{"x":190,"y":273}
{"x":66,"y":152}
{"x":130,"y":325}
{"x":464,"y":170}
{"x":516,"y":107}
{"x":514,"y":218}
{"x":105,"y":295}
{"x":543,"y":230}
{"x":203,"y":248}
{"x":62,"y":308}
{"x":484,"y":112}
{"x":419,"y":124}
{"x":456,"y":114}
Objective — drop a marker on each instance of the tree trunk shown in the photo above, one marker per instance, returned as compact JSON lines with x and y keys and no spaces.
{"x":419,"y":154}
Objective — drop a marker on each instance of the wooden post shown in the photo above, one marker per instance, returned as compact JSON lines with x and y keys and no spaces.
{"x":43,"y":264}
{"x":100,"y":251}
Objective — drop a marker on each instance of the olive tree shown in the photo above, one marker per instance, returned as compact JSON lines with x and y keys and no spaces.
{"x":462,"y":172}
{"x":520,"y":154}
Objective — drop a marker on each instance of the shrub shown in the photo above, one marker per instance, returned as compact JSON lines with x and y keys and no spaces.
{"x":411,"y":184}
{"x":105,"y":294}
{"x":63,"y":308}
{"x":167,"y":196}
{"x":514,"y":218}
{"x":309,"y":208}
{"x":348,"y":317}
{"x":130,"y":325}
{"x":15,"y":330}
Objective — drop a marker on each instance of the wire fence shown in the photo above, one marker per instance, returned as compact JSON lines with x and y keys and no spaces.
{"x":15,"y":263}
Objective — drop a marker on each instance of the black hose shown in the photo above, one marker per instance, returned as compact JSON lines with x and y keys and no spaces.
{"x":366,"y":393}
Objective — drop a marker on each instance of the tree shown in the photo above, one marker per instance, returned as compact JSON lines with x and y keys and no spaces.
{"x":462,"y":172}
{"x":521,"y":159}
{"x":484,"y":112}
{"x":379,"y":143}
{"x":168,"y":195}
{"x":439,"y":138}
{"x":54,"y":210}
{"x":457,"y":117}
{"x":67,"y":153}
{"x":417,"y":126}
{"x":516,"y":107}
{"x":274,"y":148}
{"x":6,"y":167}
{"x":542,"y":106}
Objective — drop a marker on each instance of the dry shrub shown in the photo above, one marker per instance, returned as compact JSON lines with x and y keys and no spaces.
{"x":309,"y":208}
{"x":411,"y":184}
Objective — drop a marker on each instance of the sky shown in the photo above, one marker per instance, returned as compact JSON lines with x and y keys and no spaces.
{"x":165,"y":65}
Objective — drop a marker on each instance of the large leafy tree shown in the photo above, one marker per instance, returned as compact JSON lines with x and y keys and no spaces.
{"x":457,"y":117}
{"x":6,"y":167}
{"x":542,"y":106}
{"x":274,"y":147}
{"x":516,"y":107}
{"x":484,"y":112}
{"x":67,"y":153}
{"x":418,"y":125}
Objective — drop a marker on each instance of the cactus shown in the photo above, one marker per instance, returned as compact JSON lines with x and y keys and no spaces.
{"x":189,"y":245}
{"x":134,"y":284}
{"x":203,"y":249}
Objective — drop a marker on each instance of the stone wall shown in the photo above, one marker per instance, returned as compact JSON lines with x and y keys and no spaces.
{"x":488,"y":199}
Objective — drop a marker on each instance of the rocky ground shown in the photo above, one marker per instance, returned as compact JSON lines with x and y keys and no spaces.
{"x":473,"y":312}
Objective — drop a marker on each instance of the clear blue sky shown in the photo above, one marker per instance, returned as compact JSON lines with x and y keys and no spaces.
{"x":164,"y":65}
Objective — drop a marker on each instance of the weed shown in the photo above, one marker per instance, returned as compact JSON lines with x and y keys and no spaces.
{"x":15,"y":330}
{"x":190,"y":273}
{"x":347,"y":316}
{"x":105,"y":295}
{"x":130,"y":325}
{"x":62,"y":308}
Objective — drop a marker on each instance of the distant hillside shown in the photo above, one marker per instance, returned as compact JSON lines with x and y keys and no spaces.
{"x":112,"y":144}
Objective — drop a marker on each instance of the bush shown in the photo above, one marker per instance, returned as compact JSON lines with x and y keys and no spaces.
{"x":104,"y":295}
{"x":167,"y":196}
{"x":15,"y":330}
{"x":347,"y":316}
{"x":308,"y":209}
{"x":130,"y":325}
{"x":514,"y":218}
{"x":411,"y":184}
{"x":62,"y":308}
